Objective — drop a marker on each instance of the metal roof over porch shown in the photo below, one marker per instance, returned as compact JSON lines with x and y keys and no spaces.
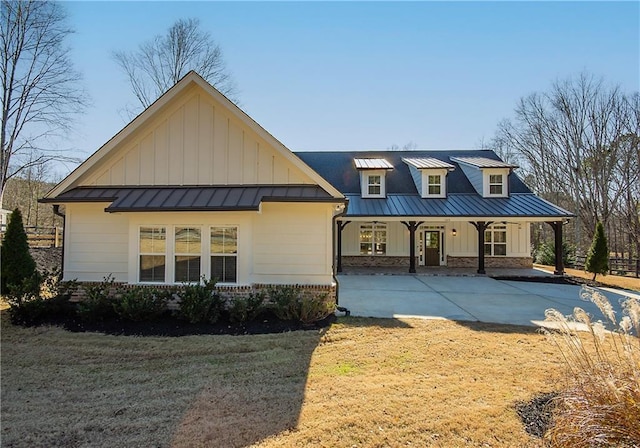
{"x":518,"y":205}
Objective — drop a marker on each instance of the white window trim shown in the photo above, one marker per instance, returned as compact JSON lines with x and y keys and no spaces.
{"x":486,"y":173}
{"x":139,"y":254}
{"x":497,"y":228}
{"x":364,"y":183}
{"x":211,"y":254}
{"x":184,"y":254}
{"x":375,"y":227}
{"x":169,"y":254}
{"x":443,"y":182}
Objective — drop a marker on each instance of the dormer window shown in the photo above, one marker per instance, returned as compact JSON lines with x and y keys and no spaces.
{"x":495,"y":184}
{"x":489,"y":177}
{"x":374,"y":185}
{"x":429,"y":175}
{"x":372,"y":176}
{"x":434,"y":185}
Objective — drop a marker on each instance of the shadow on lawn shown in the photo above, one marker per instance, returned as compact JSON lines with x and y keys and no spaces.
{"x":258,"y":394}
{"x":498,"y":328}
{"x":253,"y":395}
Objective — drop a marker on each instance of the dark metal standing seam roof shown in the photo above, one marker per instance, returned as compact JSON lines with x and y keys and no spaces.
{"x":338,"y":168}
{"x":403,"y":200}
{"x":526,"y":205}
{"x":210,"y":198}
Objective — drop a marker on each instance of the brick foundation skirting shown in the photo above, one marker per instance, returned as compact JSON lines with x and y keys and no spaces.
{"x":380,"y":261}
{"x":490,"y":262}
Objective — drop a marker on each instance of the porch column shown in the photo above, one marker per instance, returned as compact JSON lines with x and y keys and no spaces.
{"x":481,"y":226}
{"x":412,"y":226}
{"x":341,"y":225}
{"x":557,"y":230}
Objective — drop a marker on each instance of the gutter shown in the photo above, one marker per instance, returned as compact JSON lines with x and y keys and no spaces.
{"x":333,"y":257}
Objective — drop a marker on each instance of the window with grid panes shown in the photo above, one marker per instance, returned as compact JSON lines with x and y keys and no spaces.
{"x":152,"y":250}
{"x":373,"y":239}
{"x":495,"y":241}
{"x":187,"y":250}
{"x":224,"y":254}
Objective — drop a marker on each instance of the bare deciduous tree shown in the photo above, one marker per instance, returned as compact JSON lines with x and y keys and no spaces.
{"x":578,"y":143}
{"x":40,"y":90}
{"x":158,"y":64}
{"x":409,"y":146}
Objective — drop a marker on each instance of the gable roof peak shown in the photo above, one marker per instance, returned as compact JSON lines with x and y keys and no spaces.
{"x":191,"y":78}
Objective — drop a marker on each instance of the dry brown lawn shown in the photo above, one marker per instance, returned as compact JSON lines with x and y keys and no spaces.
{"x":361,"y":383}
{"x":614,"y":281}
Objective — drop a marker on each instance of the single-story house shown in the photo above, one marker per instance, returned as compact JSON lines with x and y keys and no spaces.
{"x":193,"y":187}
{"x":433,"y":208}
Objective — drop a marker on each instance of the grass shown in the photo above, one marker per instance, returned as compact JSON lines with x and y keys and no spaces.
{"x":614,"y":281}
{"x":362,"y":382}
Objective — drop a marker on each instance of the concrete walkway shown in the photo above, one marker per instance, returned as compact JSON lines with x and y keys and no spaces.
{"x":463,"y":298}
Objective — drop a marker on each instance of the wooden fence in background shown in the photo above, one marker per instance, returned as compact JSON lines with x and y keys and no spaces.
{"x":617,"y":266}
{"x":40,"y":236}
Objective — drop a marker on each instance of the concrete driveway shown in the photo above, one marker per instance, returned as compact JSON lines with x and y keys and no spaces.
{"x":463,"y":298}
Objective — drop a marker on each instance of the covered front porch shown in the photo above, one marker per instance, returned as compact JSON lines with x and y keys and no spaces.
{"x":428,"y":245}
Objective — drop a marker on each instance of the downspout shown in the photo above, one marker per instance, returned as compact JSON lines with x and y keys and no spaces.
{"x":56,"y":211}
{"x":333,"y":257}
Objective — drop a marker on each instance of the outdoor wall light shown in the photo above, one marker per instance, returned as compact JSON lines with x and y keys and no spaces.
{"x":454,"y":232}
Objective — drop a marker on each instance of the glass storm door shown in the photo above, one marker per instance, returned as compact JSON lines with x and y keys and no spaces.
{"x":432,"y":248}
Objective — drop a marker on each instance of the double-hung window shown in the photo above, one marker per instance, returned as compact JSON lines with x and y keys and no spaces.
{"x":187,"y":254}
{"x":374,"y":185}
{"x":495,"y":241}
{"x":434,"y":184}
{"x":373,"y":239}
{"x":224,"y":254}
{"x":152,"y":248}
{"x":495,"y":184}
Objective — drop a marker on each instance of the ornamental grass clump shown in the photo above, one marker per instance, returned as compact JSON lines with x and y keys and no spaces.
{"x":600,"y":403}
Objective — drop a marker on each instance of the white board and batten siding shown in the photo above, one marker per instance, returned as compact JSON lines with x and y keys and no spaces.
{"x":194,"y":141}
{"x":465,"y":243}
{"x":96,"y":243}
{"x":293,"y":244}
{"x":282,"y":244}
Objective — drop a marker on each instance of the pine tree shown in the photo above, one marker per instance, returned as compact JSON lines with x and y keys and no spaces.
{"x":17,"y":263}
{"x":598,"y":256}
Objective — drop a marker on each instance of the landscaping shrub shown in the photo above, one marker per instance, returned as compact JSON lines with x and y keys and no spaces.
{"x":244,"y":309}
{"x":285,"y":301}
{"x":288,"y":303}
{"x":51,"y":301}
{"x":546,"y":254}
{"x":97,"y":305}
{"x":600,"y":402}
{"x":140,"y":303}
{"x":200,"y":302}
{"x":17,"y":268}
{"x":313,"y":309}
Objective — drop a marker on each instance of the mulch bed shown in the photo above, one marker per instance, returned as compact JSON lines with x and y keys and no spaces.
{"x":557,"y":280}
{"x":536,"y":414}
{"x":168,"y":325}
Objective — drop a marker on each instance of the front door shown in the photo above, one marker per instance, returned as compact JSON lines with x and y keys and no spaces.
{"x":432,"y":248}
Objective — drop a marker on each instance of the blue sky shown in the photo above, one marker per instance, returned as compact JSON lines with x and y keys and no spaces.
{"x":367,"y":75}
